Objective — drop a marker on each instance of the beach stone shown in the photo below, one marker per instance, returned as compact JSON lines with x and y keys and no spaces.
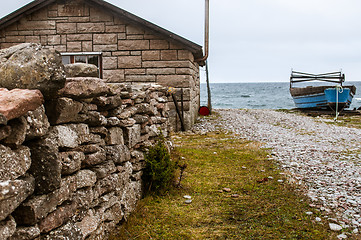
{"x":81,"y":70}
{"x":226,"y":189}
{"x":31,"y":66}
{"x":17,"y":102}
{"x":342,"y":236}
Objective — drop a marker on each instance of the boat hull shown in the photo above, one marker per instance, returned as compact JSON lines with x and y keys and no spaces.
{"x":323,"y":97}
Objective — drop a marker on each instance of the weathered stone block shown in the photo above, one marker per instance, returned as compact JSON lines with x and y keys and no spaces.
{"x":83,"y":88}
{"x":68,"y":231}
{"x":13,"y":193}
{"x":132,"y":135}
{"x":85,"y":198}
{"x":114,"y":76}
{"x":114,"y":136}
{"x":38,"y":207}
{"x":90,"y":27}
{"x":14,"y":163}
{"x":79,"y":37}
{"x":85,"y":178}
{"x":46,"y":165}
{"x":94,"y":158}
{"x":118,"y":153}
{"x":58,"y":217}
{"x":129,"y":62}
{"x":63,"y":110}
{"x":168,"y":55}
{"x":107,"y":184}
{"x":145,"y":108}
{"x":151,"y":55}
{"x":25,"y":233}
{"x":5,"y":131}
{"x":104,"y":170}
{"x":94,"y":118}
{"x":65,"y":28}
{"x":7,"y":228}
{"x":113,"y":122}
{"x":159,"y":44}
{"x":89,"y":224}
{"x":3,"y":119}
{"x":37,"y":122}
{"x":72,"y":9}
{"x":81,"y":70}
{"x":30,"y":66}
{"x":105,"y":38}
{"x":127,"y":122}
{"x":18,"y":132}
{"x":17,"y":102}
{"x":64,"y":136}
{"x":107,"y":103}
{"x":71,"y":162}
{"x":133,"y":45}
{"x":179,"y":81}
{"x":73,"y":46}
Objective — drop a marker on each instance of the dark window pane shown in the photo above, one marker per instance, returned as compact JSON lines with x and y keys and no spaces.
{"x":66,"y":59}
{"x":93,"y":60}
{"x":80,"y":59}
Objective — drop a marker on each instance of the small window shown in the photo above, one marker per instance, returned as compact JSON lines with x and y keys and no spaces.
{"x":89,"y":58}
{"x":66,"y":60}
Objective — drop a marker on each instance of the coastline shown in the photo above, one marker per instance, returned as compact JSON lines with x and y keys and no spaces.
{"x":318,"y":157}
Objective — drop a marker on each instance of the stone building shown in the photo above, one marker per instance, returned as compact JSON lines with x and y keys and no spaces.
{"x":124,"y":47}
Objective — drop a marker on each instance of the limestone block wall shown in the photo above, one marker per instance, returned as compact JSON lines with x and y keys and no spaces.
{"x":71,"y":165}
{"x":130,"y":53}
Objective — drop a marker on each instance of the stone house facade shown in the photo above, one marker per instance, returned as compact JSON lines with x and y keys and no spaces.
{"x":125,"y":48}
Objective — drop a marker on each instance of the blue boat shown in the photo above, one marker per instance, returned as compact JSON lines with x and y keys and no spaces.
{"x":335,"y":96}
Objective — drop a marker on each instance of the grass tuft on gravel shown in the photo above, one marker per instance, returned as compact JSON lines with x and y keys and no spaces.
{"x":260,"y":203}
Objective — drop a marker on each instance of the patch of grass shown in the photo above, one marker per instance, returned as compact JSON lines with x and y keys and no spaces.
{"x":257,"y":207}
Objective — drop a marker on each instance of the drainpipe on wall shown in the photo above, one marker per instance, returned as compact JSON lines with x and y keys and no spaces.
{"x":206,"y":35}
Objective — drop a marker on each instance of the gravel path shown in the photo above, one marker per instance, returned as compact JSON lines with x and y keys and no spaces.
{"x":323,"y":158}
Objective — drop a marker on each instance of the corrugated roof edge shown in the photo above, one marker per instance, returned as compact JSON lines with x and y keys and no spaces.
{"x":121,"y":13}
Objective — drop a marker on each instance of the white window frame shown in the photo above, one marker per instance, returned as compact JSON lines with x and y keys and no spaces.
{"x":99,"y":54}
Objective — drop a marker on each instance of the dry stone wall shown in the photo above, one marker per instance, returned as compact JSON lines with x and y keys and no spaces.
{"x":71,"y":164}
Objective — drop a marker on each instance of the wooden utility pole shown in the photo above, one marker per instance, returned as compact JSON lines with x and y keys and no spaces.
{"x":209,"y":104}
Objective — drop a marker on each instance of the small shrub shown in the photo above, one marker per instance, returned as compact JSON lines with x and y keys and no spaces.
{"x":159,"y":170}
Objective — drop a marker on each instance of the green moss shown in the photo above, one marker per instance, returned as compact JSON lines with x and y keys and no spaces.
{"x":254,"y":209}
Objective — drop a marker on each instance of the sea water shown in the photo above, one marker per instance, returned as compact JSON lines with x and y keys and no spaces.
{"x":271,"y":95}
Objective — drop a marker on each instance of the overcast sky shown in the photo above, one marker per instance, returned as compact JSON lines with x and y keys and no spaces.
{"x":260,"y":40}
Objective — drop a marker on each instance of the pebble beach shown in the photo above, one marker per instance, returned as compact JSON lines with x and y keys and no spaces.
{"x":322,"y":159}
